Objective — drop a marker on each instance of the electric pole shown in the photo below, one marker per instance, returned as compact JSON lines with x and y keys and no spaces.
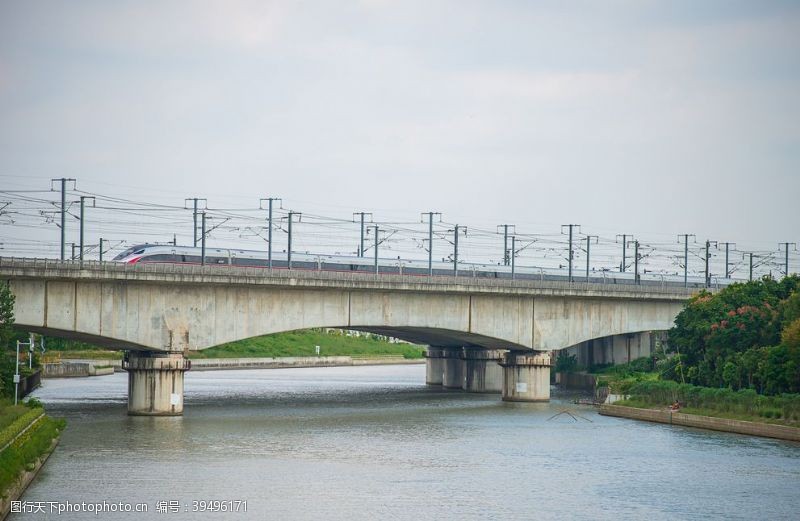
{"x":636,"y":261}
{"x":377,"y":230}
{"x":361,"y":244}
{"x":101,"y":250}
{"x":786,"y":248}
{"x":513,"y":255}
{"x":63,"y":182}
{"x":456,"y":231}
{"x":269,"y":227}
{"x":290,"y":217}
{"x":708,"y":257}
{"x":625,"y":237}
{"x":430,"y":239}
{"x":588,"y":245}
{"x":751,"y":264}
{"x":83,"y":201}
{"x":570,"y":226}
{"x":505,"y":228}
{"x":727,"y":251}
{"x":203,"y":240}
{"x":685,"y":257}
{"x":194,"y":200}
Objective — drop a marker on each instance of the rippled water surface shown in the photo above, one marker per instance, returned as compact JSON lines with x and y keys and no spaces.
{"x":376,"y":443}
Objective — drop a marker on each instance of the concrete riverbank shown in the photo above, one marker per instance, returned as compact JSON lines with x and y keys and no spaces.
{"x":667,"y":416}
{"x":92,"y":367}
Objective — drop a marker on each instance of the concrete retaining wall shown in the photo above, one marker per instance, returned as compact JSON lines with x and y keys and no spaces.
{"x":703,"y":422}
{"x":69,"y":369}
{"x":210,"y":364}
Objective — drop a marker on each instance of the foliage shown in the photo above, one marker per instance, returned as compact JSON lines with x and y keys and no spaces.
{"x":6,"y":314}
{"x":7,"y":334}
{"x":18,"y":425}
{"x":743,"y":402}
{"x":28,"y":448}
{"x":304,"y":342}
{"x":743,"y":337}
{"x":62,"y":344}
{"x":295,"y":343}
{"x":9,"y":413}
{"x":620,"y":378}
{"x":565,"y":363}
{"x":34,"y":403}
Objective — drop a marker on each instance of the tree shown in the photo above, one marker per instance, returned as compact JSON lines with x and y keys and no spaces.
{"x":6,"y":335}
{"x":724,"y":339}
{"x":6,"y":314}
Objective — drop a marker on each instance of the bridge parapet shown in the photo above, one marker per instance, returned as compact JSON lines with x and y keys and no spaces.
{"x":50,"y":269}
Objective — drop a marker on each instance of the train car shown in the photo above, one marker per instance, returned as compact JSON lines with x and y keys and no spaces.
{"x":158,"y":253}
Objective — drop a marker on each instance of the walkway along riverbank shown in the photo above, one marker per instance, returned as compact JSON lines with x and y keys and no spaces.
{"x":667,"y":416}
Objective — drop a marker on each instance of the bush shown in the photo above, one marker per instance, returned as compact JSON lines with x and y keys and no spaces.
{"x":565,"y":363}
{"x":34,"y":403}
{"x":744,"y":402}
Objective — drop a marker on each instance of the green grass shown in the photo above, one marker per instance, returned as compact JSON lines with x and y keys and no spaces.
{"x":715,"y":413}
{"x":19,"y":424}
{"x":295,"y":343}
{"x":9,"y":413}
{"x":722,"y":403}
{"x":92,"y":354}
{"x":302,"y":343}
{"x":23,"y":453}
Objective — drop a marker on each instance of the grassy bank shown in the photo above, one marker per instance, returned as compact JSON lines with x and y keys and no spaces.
{"x":295,"y":343}
{"x":723,"y":403}
{"x":23,"y":452}
{"x":303,"y":343}
{"x":10,"y":413}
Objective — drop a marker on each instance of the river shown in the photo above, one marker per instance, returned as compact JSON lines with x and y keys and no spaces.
{"x":376,"y":443}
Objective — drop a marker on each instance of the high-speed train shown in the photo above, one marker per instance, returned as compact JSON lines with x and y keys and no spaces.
{"x":169,"y":254}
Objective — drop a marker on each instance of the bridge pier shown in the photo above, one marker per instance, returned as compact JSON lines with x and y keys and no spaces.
{"x":155,"y":383}
{"x":483,"y":373}
{"x":453,"y":374}
{"x":434,"y":365}
{"x":526,"y":376}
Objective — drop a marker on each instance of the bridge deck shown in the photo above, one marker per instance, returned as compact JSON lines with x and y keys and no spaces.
{"x":50,"y":269}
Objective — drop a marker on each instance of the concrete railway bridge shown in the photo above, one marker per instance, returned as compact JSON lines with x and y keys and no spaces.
{"x":484,"y":334}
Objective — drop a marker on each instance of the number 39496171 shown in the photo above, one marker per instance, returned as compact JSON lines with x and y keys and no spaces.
{"x":214,"y":505}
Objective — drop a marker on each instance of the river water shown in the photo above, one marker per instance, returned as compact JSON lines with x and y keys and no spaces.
{"x":376,"y":443}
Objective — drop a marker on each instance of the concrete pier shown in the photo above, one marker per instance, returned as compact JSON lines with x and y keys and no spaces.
{"x":453,"y":374}
{"x":155,"y":383}
{"x":526,"y":376}
{"x":482,"y":372}
{"x":434,"y":365}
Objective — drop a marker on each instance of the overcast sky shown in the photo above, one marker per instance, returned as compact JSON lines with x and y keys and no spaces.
{"x":655,"y":118}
